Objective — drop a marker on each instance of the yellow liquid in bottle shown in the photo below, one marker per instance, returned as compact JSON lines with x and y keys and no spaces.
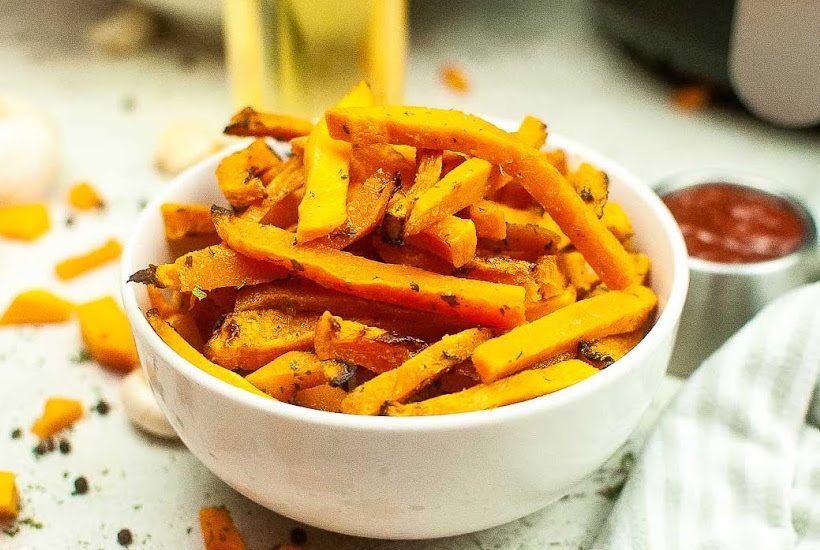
{"x":301,"y":56}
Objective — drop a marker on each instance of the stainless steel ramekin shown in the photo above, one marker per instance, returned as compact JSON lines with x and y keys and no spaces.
{"x":723,"y":297}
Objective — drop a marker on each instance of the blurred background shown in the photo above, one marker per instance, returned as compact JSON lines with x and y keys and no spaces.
{"x":601,"y":72}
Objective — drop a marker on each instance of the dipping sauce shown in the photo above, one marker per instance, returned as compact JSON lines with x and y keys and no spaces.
{"x":729,"y":223}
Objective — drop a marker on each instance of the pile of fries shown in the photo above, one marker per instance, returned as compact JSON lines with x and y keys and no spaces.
{"x":401,"y":261}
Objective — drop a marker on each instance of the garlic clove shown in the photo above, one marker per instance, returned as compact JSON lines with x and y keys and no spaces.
{"x":141,"y":407}
{"x":29,"y":152}
{"x":183,"y":143}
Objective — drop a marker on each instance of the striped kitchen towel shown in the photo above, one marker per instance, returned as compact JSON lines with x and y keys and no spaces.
{"x":734,"y":462}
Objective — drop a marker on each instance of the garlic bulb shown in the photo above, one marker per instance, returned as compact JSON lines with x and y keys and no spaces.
{"x":141,"y":407}
{"x":29,"y":152}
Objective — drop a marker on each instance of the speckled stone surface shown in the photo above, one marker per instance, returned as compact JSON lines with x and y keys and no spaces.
{"x":523,"y":57}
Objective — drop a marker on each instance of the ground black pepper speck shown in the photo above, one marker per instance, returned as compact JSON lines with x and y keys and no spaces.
{"x":65,"y":446}
{"x":80,"y":486}
{"x":124,"y":537}
{"x":102,"y":407}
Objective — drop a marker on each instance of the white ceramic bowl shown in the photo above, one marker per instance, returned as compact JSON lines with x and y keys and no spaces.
{"x":403,"y":478}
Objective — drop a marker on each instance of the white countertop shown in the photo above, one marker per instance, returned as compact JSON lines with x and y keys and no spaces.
{"x":541,"y":58}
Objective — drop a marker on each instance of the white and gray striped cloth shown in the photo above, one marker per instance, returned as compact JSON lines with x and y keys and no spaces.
{"x":734,"y":463}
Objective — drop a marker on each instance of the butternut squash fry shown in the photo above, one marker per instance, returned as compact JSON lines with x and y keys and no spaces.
{"x":523,"y":241}
{"x":249,"y":339}
{"x":616,"y":220}
{"x":355,"y":343}
{"x":411,"y":256}
{"x":322,"y":209}
{"x":562,"y":330}
{"x":592,"y":185}
{"x":218,"y":529}
{"x":297,"y":146}
{"x":287,"y":180}
{"x":302,"y":295}
{"x":479,"y":302}
{"x":489,"y":220}
{"x":212,"y":267}
{"x":523,"y":386}
{"x":558,"y":158}
{"x":502,"y":269}
{"x":297,"y":370}
{"x":186,"y":220}
{"x":58,"y":414}
{"x":9,"y":496}
{"x":549,"y":276}
{"x":366,"y":160}
{"x":443,"y":129}
{"x":185,"y":324}
{"x":460,"y":188}
{"x":532,"y":132}
{"x":239,"y":174}
{"x":366,"y":203}
{"x":578,"y":271}
{"x":25,"y":222}
{"x":78,"y":265}
{"x":106,"y":333}
{"x":323,"y":397}
{"x":401,"y":204}
{"x":174,"y":341}
{"x":545,"y":306}
{"x":165,"y":301}
{"x":603,"y":352}
{"x":402,"y":382}
{"x":249,"y":122}
{"x":37,"y":306}
{"x":452,"y":239}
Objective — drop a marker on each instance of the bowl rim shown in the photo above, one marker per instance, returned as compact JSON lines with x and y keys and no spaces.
{"x":666,"y":322}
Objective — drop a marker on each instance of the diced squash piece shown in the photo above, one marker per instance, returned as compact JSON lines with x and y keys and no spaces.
{"x":358,"y":344}
{"x":239,"y":175}
{"x":9,"y":496}
{"x":186,"y":220}
{"x":459,"y":189}
{"x":249,"y":122}
{"x":562,"y":330}
{"x":212,"y":267}
{"x":519,"y":387}
{"x":603,"y":352}
{"x":37,"y":306}
{"x":488,"y":304}
{"x":323,"y":397}
{"x":592,"y":185}
{"x":58,"y":414}
{"x":452,"y":239}
{"x":322,"y":209}
{"x":25,"y":222}
{"x":78,"y":265}
{"x":399,"y":384}
{"x":218,"y":529}
{"x":83,"y":196}
{"x":249,"y":339}
{"x":107,"y":334}
{"x":448,"y":129}
{"x":297,"y":370}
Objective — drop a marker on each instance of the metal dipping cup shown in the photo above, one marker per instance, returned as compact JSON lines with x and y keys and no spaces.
{"x":724,"y":296}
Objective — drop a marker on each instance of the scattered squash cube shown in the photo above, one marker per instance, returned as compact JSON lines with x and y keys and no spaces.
{"x":83,"y":196}
{"x":58,"y":414}
{"x":37,"y":306}
{"x":107,"y":334}
{"x":9,"y":497}
{"x":73,"y":267}
{"x":25,"y":222}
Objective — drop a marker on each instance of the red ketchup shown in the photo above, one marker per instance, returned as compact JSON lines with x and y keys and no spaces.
{"x":729,"y":223}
